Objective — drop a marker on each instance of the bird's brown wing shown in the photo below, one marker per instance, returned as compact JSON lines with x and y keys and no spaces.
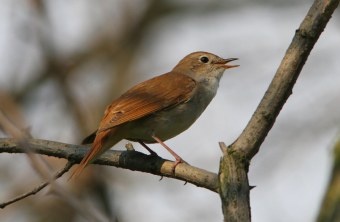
{"x":148,"y":97}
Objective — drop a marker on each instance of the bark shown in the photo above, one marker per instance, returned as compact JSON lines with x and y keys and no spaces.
{"x":234,"y":187}
{"x":131,"y":160}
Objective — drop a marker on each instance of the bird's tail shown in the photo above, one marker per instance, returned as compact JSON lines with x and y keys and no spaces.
{"x":101,"y":143}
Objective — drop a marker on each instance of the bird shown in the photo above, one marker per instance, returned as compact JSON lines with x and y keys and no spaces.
{"x":160,"y":108}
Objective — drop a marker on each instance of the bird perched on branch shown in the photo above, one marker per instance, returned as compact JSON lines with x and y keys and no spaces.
{"x":159,"y":108}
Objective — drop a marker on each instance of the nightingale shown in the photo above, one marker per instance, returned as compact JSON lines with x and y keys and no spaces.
{"x":159,"y":108}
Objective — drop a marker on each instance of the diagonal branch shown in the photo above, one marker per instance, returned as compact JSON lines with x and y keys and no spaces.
{"x":38,"y":188}
{"x":131,"y":160}
{"x":234,"y":184}
{"x":281,"y":87}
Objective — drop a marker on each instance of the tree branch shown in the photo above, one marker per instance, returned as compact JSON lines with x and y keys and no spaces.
{"x":281,"y":87}
{"x":38,"y":188}
{"x":234,"y":186}
{"x":131,"y":160}
{"x":232,"y":182}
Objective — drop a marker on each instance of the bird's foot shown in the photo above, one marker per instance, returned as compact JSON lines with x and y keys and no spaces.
{"x":178,"y":161}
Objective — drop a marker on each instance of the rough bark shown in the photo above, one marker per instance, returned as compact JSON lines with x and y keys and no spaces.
{"x":131,"y":160}
{"x":234,"y":192}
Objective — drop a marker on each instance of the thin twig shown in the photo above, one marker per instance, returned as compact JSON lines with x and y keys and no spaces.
{"x":38,"y":188}
{"x":44,"y":170}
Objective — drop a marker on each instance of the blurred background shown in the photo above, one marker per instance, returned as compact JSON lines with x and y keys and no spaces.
{"x":62,"y":62}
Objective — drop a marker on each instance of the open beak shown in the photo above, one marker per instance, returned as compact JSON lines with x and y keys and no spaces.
{"x":226,"y":61}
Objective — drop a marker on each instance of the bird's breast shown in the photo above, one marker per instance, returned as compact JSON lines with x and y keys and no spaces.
{"x":172,"y":121}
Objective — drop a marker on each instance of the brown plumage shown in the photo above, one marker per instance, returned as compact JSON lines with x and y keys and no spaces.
{"x":145,"y":98}
{"x":95,"y":151}
{"x":159,"y":108}
{"x":139,"y":101}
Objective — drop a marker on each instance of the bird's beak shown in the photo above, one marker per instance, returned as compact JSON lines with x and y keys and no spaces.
{"x":225,"y":62}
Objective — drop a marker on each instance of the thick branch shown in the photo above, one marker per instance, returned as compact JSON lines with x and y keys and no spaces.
{"x":234,"y":187}
{"x":131,"y":160}
{"x":234,"y":191}
{"x":282,"y":85}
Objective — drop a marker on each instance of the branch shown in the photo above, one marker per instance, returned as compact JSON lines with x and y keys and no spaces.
{"x":131,"y":160}
{"x":38,"y":188}
{"x":281,"y":87}
{"x":234,"y":188}
{"x":234,"y":185}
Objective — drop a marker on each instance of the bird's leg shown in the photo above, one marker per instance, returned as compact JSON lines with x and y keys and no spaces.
{"x":153,"y":153}
{"x":177,"y":157}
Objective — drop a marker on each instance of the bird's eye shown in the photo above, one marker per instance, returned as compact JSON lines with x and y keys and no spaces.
{"x":204,"y":59}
